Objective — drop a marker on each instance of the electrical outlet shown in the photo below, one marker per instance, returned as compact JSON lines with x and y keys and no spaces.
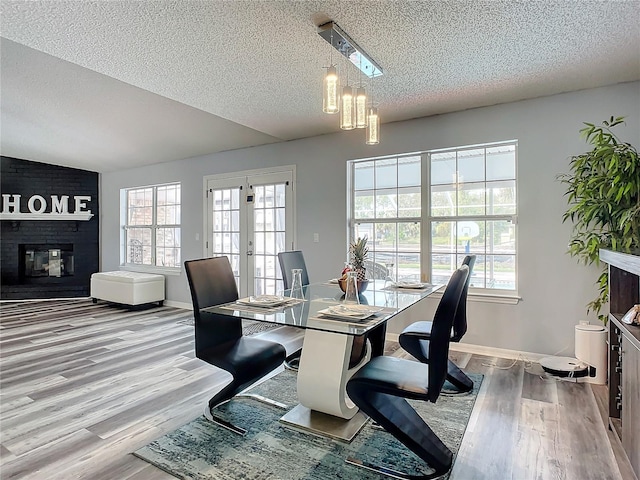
{"x":316,"y":237}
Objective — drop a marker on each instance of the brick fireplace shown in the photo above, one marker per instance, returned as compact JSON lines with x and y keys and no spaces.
{"x":45,"y":255}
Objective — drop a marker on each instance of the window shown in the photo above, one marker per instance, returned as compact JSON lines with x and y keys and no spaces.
{"x":386,"y":208}
{"x":152,"y":228}
{"x":424,"y":212}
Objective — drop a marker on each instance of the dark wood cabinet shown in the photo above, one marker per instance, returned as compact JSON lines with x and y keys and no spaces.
{"x":630,"y":414}
{"x":624,"y":353}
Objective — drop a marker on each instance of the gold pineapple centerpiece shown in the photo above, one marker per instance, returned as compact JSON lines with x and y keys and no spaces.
{"x":358,"y":251}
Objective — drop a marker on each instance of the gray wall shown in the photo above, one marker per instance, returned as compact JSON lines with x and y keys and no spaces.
{"x":553,"y":287}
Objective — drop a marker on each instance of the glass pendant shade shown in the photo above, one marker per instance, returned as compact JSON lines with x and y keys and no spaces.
{"x":347,"y":109}
{"x":361,"y":108}
{"x":330,"y":97}
{"x":373,"y":126}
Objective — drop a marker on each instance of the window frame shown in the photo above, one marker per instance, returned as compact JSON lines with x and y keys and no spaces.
{"x":153,"y":227}
{"x":426,"y":218}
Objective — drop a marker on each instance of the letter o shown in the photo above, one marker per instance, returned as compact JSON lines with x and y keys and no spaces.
{"x":32,"y":201}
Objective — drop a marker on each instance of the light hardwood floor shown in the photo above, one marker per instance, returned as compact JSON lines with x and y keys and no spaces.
{"x":83,"y":386}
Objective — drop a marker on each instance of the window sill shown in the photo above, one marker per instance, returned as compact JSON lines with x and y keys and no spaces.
{"x":512,"y":299}
{"x":506,"y":299}
{"x":152,"y":269}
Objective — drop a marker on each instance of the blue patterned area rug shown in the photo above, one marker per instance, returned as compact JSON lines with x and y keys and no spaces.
{"x":201,"y":450}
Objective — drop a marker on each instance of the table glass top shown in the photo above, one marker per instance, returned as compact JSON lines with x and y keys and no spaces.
{"x":323,"y":308}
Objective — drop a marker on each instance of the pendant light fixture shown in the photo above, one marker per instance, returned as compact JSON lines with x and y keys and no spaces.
{"x":330,"y":98}
{"x":347,"y":110}
{"x":330,"y":91}
{"x":372,"y":136}
{"x":373,"y":126}
{"x":347,"y":107}
{"x":354,"y":112}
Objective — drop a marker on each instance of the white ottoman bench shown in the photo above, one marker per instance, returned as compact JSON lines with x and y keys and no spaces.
{"x":127,"y":288}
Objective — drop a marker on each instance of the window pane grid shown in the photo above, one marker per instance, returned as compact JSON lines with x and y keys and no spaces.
{"x":471,"y":199}
{"x":475,"y":212}
{"x":387,"y":206}
{"x":157,"y":209}
{"x":394,"y":248}
{"x":168,"y":247}
{"x":492,"y":241}
{"x":226,"y":223}
{"x":139,"y":246}
{"x":269,"y":213}
{"x":140,"y":206}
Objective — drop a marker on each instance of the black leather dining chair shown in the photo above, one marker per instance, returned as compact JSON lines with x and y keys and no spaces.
{"x":415,"y":338}
{"x":288,"y":261}
{"x":383,"y":385}
{"x":219,"y":340}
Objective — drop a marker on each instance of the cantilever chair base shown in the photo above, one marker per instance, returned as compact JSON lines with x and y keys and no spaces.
{"x":292,"y":362}
{"x":418,"y":346}
{"x":208,"y":414}
{"x":389,"y":472}
{"x":458,"y":379}
{"x":223,"y":423}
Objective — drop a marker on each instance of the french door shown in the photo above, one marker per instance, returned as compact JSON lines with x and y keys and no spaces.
{"x":249,"y":218}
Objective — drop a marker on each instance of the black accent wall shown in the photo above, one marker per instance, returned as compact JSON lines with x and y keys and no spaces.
{"x":17,"y":236}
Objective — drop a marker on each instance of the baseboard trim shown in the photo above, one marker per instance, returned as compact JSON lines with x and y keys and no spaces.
{"x":55,"y":299}
{"x":167,"y":303}
{"x":484,"y":350}
{"x":173,"y":303}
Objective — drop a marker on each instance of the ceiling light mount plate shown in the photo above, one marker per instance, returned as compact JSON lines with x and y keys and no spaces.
{"x":343,"y":43}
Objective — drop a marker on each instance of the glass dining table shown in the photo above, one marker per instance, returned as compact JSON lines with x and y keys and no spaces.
{"x":331,"y":326}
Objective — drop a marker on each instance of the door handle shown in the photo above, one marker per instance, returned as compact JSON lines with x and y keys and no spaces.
{"x":249,"y":252}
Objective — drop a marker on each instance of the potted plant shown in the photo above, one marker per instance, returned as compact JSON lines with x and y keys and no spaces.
{"x":603,"y":194}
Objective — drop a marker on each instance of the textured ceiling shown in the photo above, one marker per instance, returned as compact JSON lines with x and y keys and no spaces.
{"x":112,"y":84}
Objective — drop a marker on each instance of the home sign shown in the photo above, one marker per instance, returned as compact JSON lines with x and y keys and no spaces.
{"x":39,"y":208}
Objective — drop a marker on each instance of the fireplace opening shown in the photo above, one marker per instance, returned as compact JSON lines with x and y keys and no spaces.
{"x":46,"y":261}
